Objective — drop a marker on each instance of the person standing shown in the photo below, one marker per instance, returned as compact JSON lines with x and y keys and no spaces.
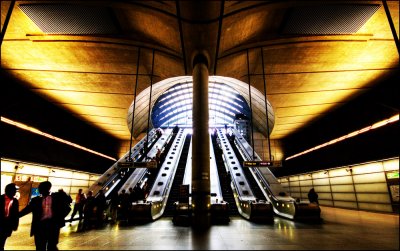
{"x":101,"y":203}
{"x":48,"y":213}
{"x":88,"y":210}
{"x":9,"y":219}
{"x":79,"y":203}
{"x":313,"y":196}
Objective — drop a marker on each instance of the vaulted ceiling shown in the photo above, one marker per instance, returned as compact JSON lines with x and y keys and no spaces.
{"x":88,"y":56}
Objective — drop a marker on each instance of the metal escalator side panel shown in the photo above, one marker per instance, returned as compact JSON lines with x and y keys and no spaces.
{"x":112,"y":172}
{"x":242,"y":192}
{"x":219,"y":210}
{"x":139,"y":173}
{"x":159,"y":193}
{"x":268,"y":179}
{"x":215,"y":187}
{"x":283,"y":204}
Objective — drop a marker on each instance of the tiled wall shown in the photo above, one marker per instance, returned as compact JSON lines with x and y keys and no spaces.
{"x":372,"y":186}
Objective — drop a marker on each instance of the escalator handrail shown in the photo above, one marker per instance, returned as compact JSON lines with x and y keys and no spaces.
{"x":104,"y":180}
{"x":261,"y":178}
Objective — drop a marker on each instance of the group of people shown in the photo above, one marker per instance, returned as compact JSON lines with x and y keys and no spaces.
{"x":48,"y":213}
{"x":122,"y":202}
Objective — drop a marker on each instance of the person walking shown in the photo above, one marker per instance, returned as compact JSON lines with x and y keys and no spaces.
{"x":48,"y":213}
{"x":9,"y":219}
{"x":79,"y":203}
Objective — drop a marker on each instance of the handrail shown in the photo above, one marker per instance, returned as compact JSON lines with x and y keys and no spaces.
{"x":106,"y":178}
{"x":283,"y":204}
{"x":158,"y":196}
{"x":243,"y":193}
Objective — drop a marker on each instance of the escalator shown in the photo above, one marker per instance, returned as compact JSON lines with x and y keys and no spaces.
{"x":253,"y":184}
{"x":154,"y":204}
{"x":248,"y":206}
{"x":178,"y":179}
{"x":125,"y":173}
{"x":153,"y":173}
{"x":224,"y":179}
{"x":283,"y":204}
{"x":112,"y":179}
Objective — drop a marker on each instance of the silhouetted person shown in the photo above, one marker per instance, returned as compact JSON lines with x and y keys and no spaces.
{"x":9,"y":218}
{"x":132,"y":195}
{"x":175,"y":130}
{"x":67,"y":198}
{"x":101,"y":204}
{"x":48,"y":213}
{"x":114,"y":207}
{"x":313,"y":196}
{"x":88,"y":210}
{"x":79,"y":203}
{"x":125,"y":204}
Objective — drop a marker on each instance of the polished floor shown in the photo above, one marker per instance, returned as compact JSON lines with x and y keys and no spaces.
{"x":340,"y":229}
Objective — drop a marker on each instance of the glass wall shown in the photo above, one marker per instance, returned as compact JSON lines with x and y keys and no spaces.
{"x":28,"y":176}
{"x":372,"y":186}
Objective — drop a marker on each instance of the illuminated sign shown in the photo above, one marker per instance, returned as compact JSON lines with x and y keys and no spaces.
{"x":392,"y":175}
{"x":262,"y":163}
{"x":150,"y":164}
{"x":257,"y":163}
{"x":125,"y":164}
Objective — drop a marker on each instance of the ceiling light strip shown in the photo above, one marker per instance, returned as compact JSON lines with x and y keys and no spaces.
{"x":34,"y":130}
{"x":352,"y":134}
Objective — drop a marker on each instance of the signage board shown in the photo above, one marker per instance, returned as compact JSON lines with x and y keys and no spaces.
{"x":150,"y":164}
{"x":261,"y":163}
{"x":125,"y":164}
{"x":392,"y":175}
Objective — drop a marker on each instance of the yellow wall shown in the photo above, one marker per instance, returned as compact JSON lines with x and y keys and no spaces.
{"x":363,"y":186}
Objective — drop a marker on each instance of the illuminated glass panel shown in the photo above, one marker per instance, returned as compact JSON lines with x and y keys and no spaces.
{"x":175,"y":106}
{"x":344,"y":196}
{"x":369,"y":178}
{"x":7,"y":166}
{"x":381,"y":198}
{"x":343,"y":188}
{"x":391,"y":164}
{"x":59,"y":182}
{"x":375,"y":207}
{"x":326,"y":189}
{"x":346,"y":204}
{"x":375,"y":188}
{"x":339,"y":172}
{"x":325,"y":202}
{"x":341,"y":180}
{"x":368,"y":168}
{"x":321,"y":182}
{"x":324,"y":196}
{"x":294,"y":188}
{"x":84,"y":183}
{"x":306,"y":183}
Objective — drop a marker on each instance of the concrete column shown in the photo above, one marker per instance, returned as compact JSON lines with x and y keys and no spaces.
{"x":200,"y":146}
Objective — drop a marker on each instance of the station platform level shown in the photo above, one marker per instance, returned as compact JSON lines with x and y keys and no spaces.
{"x":340,"y":229}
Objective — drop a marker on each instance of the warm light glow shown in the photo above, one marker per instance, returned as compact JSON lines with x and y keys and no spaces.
{"x":34,"y":130}
{"x":352,"y":134}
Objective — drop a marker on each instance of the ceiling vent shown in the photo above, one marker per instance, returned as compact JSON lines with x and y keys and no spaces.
{"x":71,"y":19}
{"x":327,"y":19}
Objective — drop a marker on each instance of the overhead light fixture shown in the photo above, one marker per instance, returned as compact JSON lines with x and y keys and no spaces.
{"x":352,"y":134}
{"x":37,"y":131}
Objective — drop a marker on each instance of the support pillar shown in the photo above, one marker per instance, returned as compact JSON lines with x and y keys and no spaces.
{"x":200,"y":145}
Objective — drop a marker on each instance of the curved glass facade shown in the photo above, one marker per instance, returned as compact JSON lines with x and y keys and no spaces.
{"x":174,"y":106}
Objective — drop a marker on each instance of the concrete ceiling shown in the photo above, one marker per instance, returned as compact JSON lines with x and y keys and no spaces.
{"x":92,"y":72}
